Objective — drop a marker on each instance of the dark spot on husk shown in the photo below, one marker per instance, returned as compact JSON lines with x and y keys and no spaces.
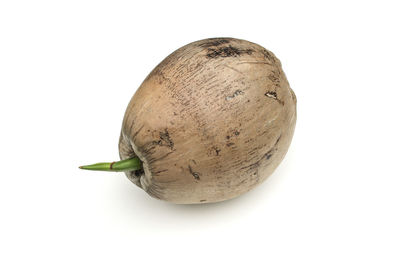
{"x":268,"y":56}
{"x":158,"y":172}
{"x":274,"y":78}
{"x":271,"y":94}
{"x":228,"y":51}
{"x":277,"y":140}
{"x":235,"y":94}
{"x":236,"y":132}
{"x":196,"y":175}
{"x":165,"y":139}
{"x":203,"y":200}
{"x":270,"y":152}
{"x":217,"y":42}
{"x":274,"y":95}
{"x":266,"y":156}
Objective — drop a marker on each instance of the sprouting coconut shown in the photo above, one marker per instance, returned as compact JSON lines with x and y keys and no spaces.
{"x":210,"y":122}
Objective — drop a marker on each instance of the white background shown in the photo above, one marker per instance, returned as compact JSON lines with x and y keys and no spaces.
{"x":67,"y":72}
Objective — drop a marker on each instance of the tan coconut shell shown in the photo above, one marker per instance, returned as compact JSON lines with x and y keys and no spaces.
{"x":210,"y":122}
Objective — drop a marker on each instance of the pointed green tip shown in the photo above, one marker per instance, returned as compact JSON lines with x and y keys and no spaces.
{"x":131,"y":164}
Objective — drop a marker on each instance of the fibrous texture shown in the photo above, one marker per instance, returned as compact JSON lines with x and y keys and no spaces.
{"x":210,"y":122}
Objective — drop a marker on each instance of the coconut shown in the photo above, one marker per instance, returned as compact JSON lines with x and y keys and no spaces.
{"x":210,"y":122}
